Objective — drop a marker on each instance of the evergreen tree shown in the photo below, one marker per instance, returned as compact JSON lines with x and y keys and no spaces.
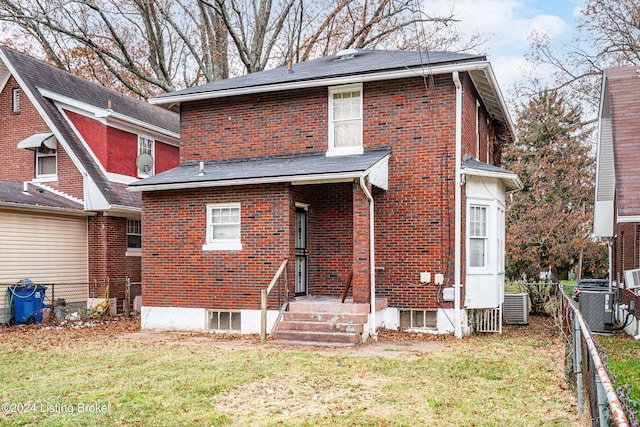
{"x":549,"y":222}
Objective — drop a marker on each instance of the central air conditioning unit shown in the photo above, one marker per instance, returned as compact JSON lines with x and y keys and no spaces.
{"x":596,"y":309}
{"x":632,"y":279}
{"x":515,"y":309}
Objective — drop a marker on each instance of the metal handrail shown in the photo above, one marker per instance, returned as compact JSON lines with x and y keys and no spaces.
{"x":264,"y":294}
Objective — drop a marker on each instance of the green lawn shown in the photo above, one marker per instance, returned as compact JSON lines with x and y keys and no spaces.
{"x":57,"y":377}
{"x":623,"y":358}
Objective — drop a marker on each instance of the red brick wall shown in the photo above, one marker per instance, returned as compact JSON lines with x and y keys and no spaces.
{"x":107,"y":260}
{"x":414,"y":219}
{"x":254,"y":125}
{"x":330,"y":222}
{"x":626,"y":254}
{"x":17,"y":164}
{"x":177,"y":272}
{"x":167,"y":157}
{"x":117,"y":149}
{"x":93,"y":132}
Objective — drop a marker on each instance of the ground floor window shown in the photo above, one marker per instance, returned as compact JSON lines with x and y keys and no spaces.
{"x":478,"y":236}
{"x":223,"y":227}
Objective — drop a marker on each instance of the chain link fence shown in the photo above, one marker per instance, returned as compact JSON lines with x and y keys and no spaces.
{"x":586,"y":370}
{"x":29,"y":302}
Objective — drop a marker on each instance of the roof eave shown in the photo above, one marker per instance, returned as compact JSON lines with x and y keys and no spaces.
{"x":293,"y":179}
{"x":321,"y":82}
{"x":511,"y":181}
{"x":45,"y":209}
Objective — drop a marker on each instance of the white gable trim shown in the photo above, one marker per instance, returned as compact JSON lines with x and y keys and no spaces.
{"x":46,"y":119}
{"x":107,"y":116}
{"x":603,"y":212}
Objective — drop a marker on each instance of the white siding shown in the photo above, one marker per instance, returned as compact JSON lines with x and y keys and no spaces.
{"x":485,"y":286}
{"x":46,"y":249}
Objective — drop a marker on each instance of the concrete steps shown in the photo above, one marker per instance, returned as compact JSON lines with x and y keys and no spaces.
{"x":322,"y":321}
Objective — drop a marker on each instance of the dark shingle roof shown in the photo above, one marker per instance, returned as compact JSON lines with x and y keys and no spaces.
{"x":11,"y":193}
{"x":271,"y":168}
{"x":364,"y":62}
{"x":36,"y":74}
{"x":511,"y":180}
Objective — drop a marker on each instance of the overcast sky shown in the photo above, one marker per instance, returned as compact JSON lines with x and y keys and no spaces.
{"x":507,"y":24}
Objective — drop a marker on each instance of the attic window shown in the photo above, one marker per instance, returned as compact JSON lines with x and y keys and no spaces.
{"x":16,"y":101}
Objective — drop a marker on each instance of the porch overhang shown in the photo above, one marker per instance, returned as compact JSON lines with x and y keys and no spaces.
{"x":474,"y":167}
{"x":37,"y":139}
{"x":295,"y":169}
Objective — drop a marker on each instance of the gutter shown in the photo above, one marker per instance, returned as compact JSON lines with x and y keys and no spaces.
{"x":458,"y":209}
{"x":372,"y":261}
{"x":45,"y":209}
{"x":293,"y":179}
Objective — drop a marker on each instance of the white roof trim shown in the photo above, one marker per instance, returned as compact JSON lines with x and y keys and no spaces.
{"x":105,"y":113}
{"x":37,"y":139}
{"x":45,"y":209}
{"x":512,"y":181}
{"x":293,"y":179}
{"x":44,"y":116}
{"x":630,"y":218}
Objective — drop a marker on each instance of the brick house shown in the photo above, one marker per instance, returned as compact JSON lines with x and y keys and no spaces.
{"x":69,"y":150}
{"x":366,"y":167}
{"x":617,"y":195}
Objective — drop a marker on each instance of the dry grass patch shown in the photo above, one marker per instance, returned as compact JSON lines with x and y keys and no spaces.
{"x":203,"y":379}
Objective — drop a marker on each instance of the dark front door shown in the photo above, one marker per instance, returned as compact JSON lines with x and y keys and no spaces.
{"x":302,"y":253}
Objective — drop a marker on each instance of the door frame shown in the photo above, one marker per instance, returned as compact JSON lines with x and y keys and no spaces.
{"x":302,"y":251}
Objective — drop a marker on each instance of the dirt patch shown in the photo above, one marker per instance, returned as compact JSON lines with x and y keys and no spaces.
{"x":390,"y":344}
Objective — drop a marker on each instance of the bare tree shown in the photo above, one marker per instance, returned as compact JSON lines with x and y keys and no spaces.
{"x":608,"y":35}
{"x":153,"y":46}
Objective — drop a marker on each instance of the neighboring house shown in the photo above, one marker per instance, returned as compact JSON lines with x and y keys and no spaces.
{"x":377,"y":165}
{"x":69,"y":150}
{"x":617,"y":195}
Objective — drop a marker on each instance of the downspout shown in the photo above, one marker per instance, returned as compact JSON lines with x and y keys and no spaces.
{"x":458,"y":209}
{"x":372,"y":261}
{"x":610,"y":250}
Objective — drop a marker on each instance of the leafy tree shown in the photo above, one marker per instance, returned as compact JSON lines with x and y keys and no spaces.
{"x":153,"y":46}
{"x":549,"y":221}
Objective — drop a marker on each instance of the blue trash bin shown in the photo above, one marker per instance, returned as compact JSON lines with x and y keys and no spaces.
{"x":27,"y":302}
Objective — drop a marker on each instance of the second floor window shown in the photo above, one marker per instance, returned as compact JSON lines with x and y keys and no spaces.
{"x":345,"y":120}
{"x":145,"y":145}
{"x":46,"y":160}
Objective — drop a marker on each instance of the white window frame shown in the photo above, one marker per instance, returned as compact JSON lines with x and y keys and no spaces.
{"x":15,"y":100}
{"x":44,"y":177}
{"x":146,"y":144}
{"x":217,"y":244}
{"x":484,"y":237}
{"x":355,"y":149}
{"x":134,"y":228}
